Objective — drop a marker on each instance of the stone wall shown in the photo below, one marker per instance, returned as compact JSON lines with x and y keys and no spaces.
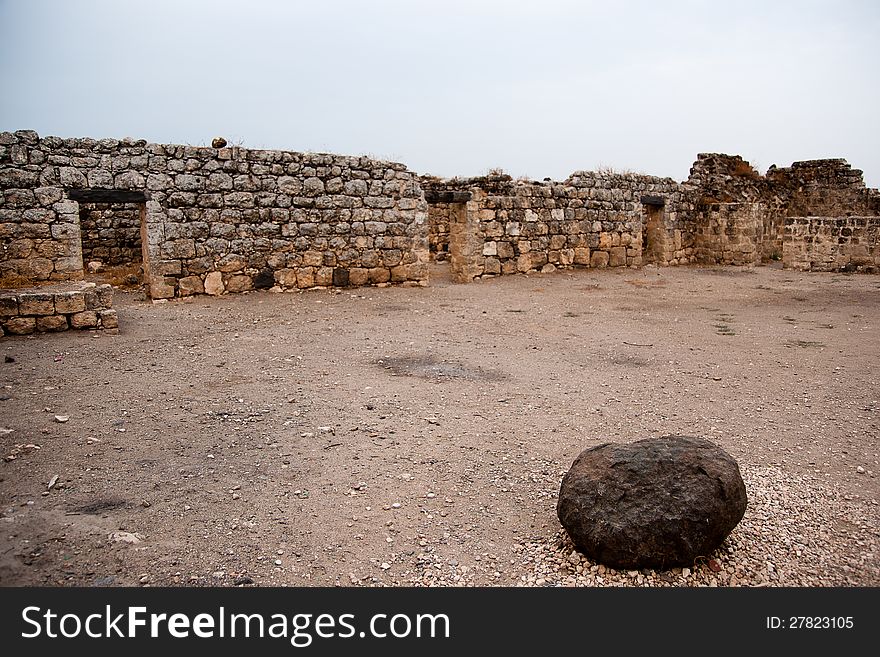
{"x":111,"y":233}
{"x":215,"y":220}
{"x":729,"y":233}
{"x":234,"y":219}
{"x":57,"y":307}
{"x":590,"y":220}
{"x":741,"y":217}
{"x":832,"y":243}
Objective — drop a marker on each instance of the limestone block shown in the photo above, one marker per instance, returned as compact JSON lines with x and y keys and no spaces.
{"x":358,"y":276}
{"x":617,"y":257}
{"x":52,"y":323}
{"x":214,"y":283}
{"x":323,"y":276}
{"x":47,"y":196}
{"x":239,"y":283}
{"x":504,"y":250}
{"x":108,"y":319}
{"x":286,"y":277}
{"x":84,"y":320}
{"x":305,"y":277}
{"x":9,"y":306}
{"x":21,"y":326}
{"x":599,"y":259}
{"x":379,"y":275}
{"x":36,"y":303}
{"x":129,"y":180}
{"x":490,"y":249}
{"x":190,"y":285}
{"x":99,"y":297}
{"x":71,"y":177}
{"x":69,"y":302}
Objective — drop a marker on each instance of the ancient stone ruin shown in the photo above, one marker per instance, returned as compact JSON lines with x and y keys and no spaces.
{"x":656,"y":503}
{"x":186,"y":220}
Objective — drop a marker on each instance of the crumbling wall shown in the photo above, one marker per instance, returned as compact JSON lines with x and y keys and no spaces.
{"x":742,"y":217}
{"x":215,"y":220}
{"x":832,"y":243}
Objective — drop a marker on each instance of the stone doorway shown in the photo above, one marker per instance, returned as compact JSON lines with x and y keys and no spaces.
{"x":653,"y":231}
{"x":450,"y":235}
{"x":111,"y":232}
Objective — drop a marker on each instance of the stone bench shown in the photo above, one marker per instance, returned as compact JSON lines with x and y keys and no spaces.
{"x":77,"y":305}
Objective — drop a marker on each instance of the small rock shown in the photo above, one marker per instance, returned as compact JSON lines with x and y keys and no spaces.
{"x":52,"y":482}
{"x":218,"y":142}
{"x":126,"y":537}
{"x":243,"y":580}
{"x":860,"y":470}
{"x":62,"y":418}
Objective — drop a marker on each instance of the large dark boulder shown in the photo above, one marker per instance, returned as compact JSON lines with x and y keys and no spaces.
{"x":655,"y":503}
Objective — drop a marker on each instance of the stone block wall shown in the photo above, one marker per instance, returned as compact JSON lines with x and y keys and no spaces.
{"x":39,"y":226}
{"x":832,"y":244}
{"x":729,"y":233}
{"x":590,"y":220}
{"x":741,"y":217}
{"x":233,"y":219}
{"x":215,"y":220}
{"x":57,"y":307}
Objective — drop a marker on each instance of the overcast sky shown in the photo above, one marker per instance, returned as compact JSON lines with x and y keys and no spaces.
{"x":456,"y":87}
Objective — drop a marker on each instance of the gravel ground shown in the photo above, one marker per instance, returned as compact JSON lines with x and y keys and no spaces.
{"x":417,"y":436}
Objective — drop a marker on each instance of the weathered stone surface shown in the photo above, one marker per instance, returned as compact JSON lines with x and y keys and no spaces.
{"x":190,"y":285}
{"x":69,"y":302}
{"x":52,"y":323}
{"x":214,"y":283}
{"x":36,"y":303}
{"x":99,"y":297}
{"x":9,"y":306}
{"x":108,"y":319}
{"x":84,"y":320}
{"x":21,"y":326}
{"x":655,"y":503}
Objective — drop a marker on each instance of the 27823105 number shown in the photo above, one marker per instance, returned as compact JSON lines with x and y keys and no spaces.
{"x":820,"y":622}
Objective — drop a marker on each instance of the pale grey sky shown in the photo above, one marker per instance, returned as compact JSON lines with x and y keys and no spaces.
{"x":539,"y":88}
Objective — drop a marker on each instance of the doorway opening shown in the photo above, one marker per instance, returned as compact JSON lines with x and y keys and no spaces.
{"x":111,"y":232}
{"x":653,"y":231}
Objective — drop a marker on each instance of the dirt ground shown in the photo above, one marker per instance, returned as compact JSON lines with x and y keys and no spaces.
{"x":418,"y":435}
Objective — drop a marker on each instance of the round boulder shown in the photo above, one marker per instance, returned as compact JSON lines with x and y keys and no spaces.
{"x":655,"y":503}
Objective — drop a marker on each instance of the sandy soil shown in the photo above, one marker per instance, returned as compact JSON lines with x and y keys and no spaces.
{"x":409,"y":435}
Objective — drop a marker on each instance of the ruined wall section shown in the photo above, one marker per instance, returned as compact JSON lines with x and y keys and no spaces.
{"x":832,"y":244}
{"x":590,"y":220}
{"x":215,"y":220}
{"x":742,"y":217}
